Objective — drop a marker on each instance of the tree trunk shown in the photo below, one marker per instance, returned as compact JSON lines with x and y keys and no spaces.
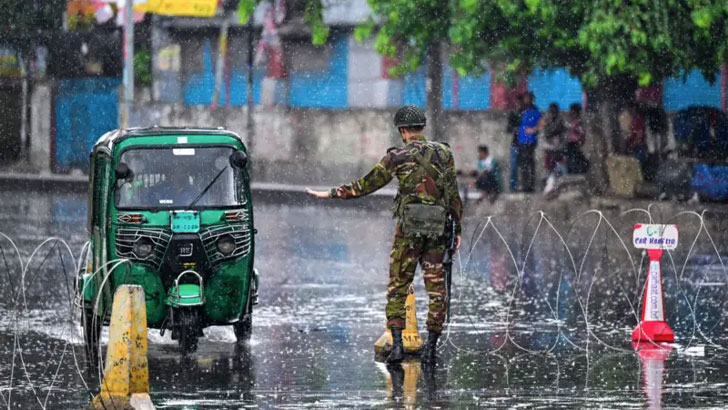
{"x":604,"y":136}
{"x":434,"y":91}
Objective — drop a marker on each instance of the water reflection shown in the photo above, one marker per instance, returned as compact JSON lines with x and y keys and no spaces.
{"x":653,"y":357}
{"x":402,"y":381}
{"x":542,"y":326}
{"x":187,"y":380}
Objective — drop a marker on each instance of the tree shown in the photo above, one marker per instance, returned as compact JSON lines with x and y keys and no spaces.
{"x":410,"y":30}
{"x":613,"y":46}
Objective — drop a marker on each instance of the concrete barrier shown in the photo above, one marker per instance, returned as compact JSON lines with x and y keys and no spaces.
{"x":126,"y":373}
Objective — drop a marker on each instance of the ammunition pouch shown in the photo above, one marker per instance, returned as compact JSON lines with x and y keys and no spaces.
{"x":423,"y":220}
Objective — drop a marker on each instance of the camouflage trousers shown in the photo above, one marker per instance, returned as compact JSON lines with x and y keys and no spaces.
{"x":406,"y":254}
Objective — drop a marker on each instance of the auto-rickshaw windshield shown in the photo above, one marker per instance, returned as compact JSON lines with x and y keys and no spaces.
{"x":178,"y":177}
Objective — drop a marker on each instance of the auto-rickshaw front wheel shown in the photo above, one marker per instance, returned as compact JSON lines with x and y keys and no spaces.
{"x":188,"y":329}
{"x":244,"y":328}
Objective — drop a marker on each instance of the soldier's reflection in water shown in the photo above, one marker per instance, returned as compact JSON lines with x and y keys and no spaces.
{"x":430,"y":381}
{"x":396,"y":382}
{"x":403,"y":378}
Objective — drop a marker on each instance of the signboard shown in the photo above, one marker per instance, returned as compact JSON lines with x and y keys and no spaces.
{"x":189,"y":8}
{"x":651,"y":236}
{"x":185,"y":221}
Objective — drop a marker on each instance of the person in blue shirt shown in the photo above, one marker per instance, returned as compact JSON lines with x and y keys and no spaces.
{"x":527,"y":141}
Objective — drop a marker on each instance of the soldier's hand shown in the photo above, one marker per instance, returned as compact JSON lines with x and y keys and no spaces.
{"x":457,"y":242}
{"x":317,"y":194}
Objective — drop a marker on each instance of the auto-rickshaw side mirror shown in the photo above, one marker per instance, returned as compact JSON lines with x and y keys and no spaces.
{"x":239,"y":160}
{"x":122,"y":171}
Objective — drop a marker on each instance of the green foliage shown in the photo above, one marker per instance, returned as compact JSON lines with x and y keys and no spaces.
{"x":246,"y":9}
{"x":404,"y":28}
{"x":314,"y":18}
{"x":313,"y":15}
{"x":594,"y":39}
{"x":143,"y":68}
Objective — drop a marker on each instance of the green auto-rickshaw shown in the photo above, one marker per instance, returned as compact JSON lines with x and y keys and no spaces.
{"x":170,"y":210}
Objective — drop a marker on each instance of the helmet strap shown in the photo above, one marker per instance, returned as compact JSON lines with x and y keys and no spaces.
{"x":401,"y":134}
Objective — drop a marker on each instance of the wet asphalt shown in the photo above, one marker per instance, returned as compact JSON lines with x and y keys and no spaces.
{"x":541,"y":317}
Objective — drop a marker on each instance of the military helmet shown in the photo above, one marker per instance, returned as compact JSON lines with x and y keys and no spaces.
{"x":410,"y":116}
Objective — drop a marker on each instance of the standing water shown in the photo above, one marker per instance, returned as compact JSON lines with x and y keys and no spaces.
{"x":542,"y":316}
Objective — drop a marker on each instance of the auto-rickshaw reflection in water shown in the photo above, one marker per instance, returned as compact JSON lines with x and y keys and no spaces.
{"x":231,"y":371}
{"x":170,"y":210}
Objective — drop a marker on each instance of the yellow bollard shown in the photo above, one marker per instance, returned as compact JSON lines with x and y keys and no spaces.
{"x":126,"y":373}
{"x":410,"y":335}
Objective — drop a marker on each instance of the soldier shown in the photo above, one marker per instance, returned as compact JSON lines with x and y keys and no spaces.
{"x":427,"y":194}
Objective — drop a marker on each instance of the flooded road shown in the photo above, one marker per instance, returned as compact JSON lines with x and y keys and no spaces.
{"x":542,"y":317}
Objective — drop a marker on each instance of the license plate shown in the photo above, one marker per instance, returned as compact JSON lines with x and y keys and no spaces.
{"x":185,"y":221}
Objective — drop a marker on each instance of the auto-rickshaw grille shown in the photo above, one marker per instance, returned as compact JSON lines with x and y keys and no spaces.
{"x":240,"y":234}
{"x":125,"y":239}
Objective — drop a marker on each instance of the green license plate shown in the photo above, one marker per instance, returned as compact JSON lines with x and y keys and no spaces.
{"x":185,"y":221}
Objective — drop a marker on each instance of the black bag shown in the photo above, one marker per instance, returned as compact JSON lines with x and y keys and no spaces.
{"x":674,"y":178}
{"x":576,"y":162}
{"x":424,"y":220}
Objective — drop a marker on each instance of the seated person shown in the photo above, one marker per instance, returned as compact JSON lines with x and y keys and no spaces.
{"x":487,"y":175}
{"x":176,"y":190}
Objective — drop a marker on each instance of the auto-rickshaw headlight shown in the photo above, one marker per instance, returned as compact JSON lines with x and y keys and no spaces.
{"x":143,"y":247}
{"x":226,"y":245}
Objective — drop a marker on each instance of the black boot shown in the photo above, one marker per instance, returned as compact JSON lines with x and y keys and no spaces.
{"x":429,"y":350}
{"x":397,"y":354}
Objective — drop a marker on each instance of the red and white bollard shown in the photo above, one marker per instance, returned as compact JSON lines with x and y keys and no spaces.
{"x":652,"y":326}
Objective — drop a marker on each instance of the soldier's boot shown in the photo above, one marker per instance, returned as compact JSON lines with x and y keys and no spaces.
{"x":429,"y":351}
{"x":397,"y":353}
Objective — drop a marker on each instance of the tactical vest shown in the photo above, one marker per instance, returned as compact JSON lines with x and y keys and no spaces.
{"x":441,"y":175}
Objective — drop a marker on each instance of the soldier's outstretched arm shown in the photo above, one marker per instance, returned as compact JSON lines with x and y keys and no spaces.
{"x":378,"y":177}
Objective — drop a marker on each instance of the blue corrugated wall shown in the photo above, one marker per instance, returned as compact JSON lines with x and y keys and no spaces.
{"x":326,"y":89}
{"x":695,"y":90}
{"x":557,"y":86}
{"x":414,"y":88}
{"x":473,"y":92}
{"x":201,"y":86}
{"x":85,"y":108}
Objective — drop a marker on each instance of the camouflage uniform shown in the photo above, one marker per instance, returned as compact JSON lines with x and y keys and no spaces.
{"x":415,"y":186}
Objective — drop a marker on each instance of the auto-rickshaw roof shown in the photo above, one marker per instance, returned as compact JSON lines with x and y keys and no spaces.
{"x":108,"y":140}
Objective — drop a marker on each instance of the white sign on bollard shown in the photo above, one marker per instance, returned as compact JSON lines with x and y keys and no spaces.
{"x":650,"y":236}
{"x":654,"y":309}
